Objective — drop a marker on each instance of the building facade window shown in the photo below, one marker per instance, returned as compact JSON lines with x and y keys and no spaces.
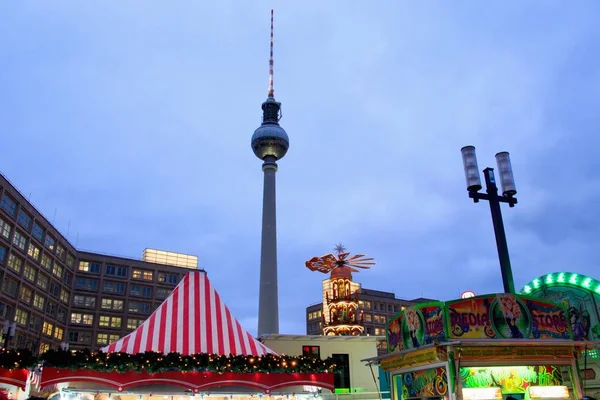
{"x":139,"y":307}
{"x":50,"y":243}
{"x":14,"y":262}
{"x":171,"y":279}
{"x":46,"y":262}
{"x":8,"y":205}
{"x":24,"y":220}
{"x":114,"y":287}
{"x":2,"y":254}
{"x":80,"y":337}
{"x":21,"y":316}
{"x":38,"y":301}
{"x":68,"y":278}
{"x":58,"y":333}
{"x":142,"y":274}
{"x":102,"y":338}
{"x":29,"y":273}
{"x":57,"y":270}
{"x":33,"y":251}
{"x":141,"y":291}
{"x":60,"y":252}
{"x":112,"y":304}
{"x":84,"y":301}
{"x":9,"y":287}
{"x":83,"y":319}
{"x":19,"y":240}
{"x":133,"y":323}
{"x":5,"y":229}
{"x":162,"y":293}
{"x":42,"y":281}
{"x":25,"y":294}
{"x":114,"y":270}
{"x":64,"y":296}
{"x":37,"y":232}
{"x":109,"y":321}
{"x":35,"y":323}
{"x":47,"y":328}
{"x":70,"y":260}
{"x":54,"y":289}
{"x":89,"y":266}
{"x":86,"y":284}
{"x":311,"y":351}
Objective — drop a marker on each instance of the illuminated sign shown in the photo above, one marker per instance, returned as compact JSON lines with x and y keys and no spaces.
{"x":467,"y":294}
{"x":547,"y":392}
{"x":482,"y":394}
{"x":511,"y":379}
{"x":417,"y":326}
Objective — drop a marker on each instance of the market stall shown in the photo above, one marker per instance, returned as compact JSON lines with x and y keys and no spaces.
{"x":190,"y":345}
{"x":485,"y":347}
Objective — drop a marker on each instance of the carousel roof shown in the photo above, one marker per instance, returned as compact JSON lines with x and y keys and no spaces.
{"x":192,"y":320}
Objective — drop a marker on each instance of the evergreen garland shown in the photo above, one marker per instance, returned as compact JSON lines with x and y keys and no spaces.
{"x":17,"y":359}
{"x":153,"y":362}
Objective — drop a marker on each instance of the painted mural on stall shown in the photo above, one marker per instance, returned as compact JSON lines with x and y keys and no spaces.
{"x":578,"y":293}
{"x":511,"y":379}
{"x":506,"y":316}
{"x":423,"y":383}
{"x":417,"y":326}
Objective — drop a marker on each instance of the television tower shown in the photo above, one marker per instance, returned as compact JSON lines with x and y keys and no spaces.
{"x":270,"y":143}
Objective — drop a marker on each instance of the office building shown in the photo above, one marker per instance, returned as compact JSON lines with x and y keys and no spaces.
{"x":55,"y":295}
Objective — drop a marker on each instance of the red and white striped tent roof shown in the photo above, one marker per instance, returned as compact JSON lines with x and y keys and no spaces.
{"x":192,"y":320}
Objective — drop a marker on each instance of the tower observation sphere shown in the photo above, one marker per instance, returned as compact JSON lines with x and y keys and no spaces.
{"x":270,"y":139}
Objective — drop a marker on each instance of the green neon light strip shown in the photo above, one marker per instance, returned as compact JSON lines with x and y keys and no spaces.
{"x":562,"y":278}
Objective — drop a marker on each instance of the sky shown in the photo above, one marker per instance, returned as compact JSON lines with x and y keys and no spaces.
{"x":128,"y":124}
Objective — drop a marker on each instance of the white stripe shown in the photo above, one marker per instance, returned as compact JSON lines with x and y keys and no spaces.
{"x":129,"y":348}
{"x":155,"y":333}
{"x":236,"y":336}
{"x":179,"y":310}
{"x":245,"y":339}
{"x":213,"y":321}
{"x":119,"y":345}
{"x":202,"y":322}
{"x":144,"y":337}
{"x":225,"y":327}
{"x":192,"y":322}
{"x":166,"y":346}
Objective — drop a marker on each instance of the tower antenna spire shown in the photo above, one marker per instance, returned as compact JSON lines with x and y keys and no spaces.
{"x":271,"y":91}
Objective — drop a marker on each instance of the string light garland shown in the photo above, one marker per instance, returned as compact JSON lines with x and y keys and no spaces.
{"x":153,"y":362}
{"x":17,"y":359}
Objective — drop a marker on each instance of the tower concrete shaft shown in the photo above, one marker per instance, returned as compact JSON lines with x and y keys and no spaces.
{"x":268,"y":302}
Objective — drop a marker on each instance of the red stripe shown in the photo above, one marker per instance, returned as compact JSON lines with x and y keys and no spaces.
{"x":241,"y":334}
{"x":174,"y":311}
{"x":151,"y":321}
{"x":209,"y":338}
{"x":197,"y":303}
{"x":230,"y":331}
{"x":126,"y":342}
{"x":219,"y":323}
{"x":161,"y":332}
{"x":252,"y":343}
{"x":186,"y":317}
{"x":141,"y":331}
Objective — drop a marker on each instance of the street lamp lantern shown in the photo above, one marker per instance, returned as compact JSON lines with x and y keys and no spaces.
{"x":509,"y":190}
{"x":471,"y":168}
{"x":507,"y":180}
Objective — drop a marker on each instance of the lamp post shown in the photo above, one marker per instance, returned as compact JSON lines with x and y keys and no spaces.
{"x":508,"y":192}
{"x":8,"y":331}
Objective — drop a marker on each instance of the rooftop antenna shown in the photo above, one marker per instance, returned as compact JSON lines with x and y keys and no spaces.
{"x":271,"y":91}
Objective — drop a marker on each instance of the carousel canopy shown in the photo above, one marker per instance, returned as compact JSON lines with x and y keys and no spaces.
{"x":192,"y":320}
